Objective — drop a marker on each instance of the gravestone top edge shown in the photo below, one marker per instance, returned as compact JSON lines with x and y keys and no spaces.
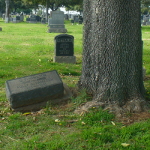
{"x":63,"y":35}
{"x":32,"y":82}
{"x":32,"y":75}
{"x":57,"y":11}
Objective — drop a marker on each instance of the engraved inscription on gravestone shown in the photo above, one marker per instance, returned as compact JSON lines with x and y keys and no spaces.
{"x":64,"y":44}
{"x":34,"y":89}
{"x":64,"y":49}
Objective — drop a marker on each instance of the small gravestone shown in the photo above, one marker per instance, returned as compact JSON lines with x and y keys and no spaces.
{"x":38,"y":18}
{"x":34,"y":89}
{"x":16,"y":19}
{"x":56,"y":22}
{"x":64,"y":49}
{"x":66,"y":17}
{"x":0,"y":28}
{"x":43,"y":20}
{"x":76,"y":19}
{"x":21,"y":18}
{"x":27,"y":19}
{"x":72,"y":21}
{"x":80,"y":19}
{"x":33,"y":19}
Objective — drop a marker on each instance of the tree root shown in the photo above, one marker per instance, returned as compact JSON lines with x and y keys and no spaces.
{"x":132,"y":106}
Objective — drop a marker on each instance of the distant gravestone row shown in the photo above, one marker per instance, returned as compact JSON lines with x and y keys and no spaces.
{"x":145,"y":20}
{"x":16,"y":19}
{"x":76,"y":19}
{"x":35,"y":19}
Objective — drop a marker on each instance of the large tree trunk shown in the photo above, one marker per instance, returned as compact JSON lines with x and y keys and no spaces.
{"x":112,"y":53}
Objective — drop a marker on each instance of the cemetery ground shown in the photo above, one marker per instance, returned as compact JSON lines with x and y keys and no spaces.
{"x":27,"y":49}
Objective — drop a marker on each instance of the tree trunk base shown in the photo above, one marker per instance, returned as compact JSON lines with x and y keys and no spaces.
{"x":132,"y":106}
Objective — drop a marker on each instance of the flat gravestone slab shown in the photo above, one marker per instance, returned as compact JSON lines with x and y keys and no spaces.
{"x":59,"y":101}
{"x":34,"y":89}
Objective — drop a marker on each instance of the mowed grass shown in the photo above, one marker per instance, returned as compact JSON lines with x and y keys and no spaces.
{"x":27,"y":49}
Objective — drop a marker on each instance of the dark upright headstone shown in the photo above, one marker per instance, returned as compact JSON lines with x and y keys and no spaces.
{"x":80,"y":19}
{"x":64,"y":49}
{"x":27,"y":19}
{"x":66,"y":17}
{"x":38,"y":18}
{"x":56,"y":22}
{"x":34,"y":89}
{"x":18,"y":18}
{"x":43,"y":20}
{"x":72,"y":21}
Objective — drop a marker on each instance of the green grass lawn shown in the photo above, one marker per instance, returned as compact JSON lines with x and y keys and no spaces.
{"x":27,"y":49}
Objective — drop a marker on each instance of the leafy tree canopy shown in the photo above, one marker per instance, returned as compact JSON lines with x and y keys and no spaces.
{"x":55,"y":4}
{"x":145,"y":2}
{"x":145,"y":6}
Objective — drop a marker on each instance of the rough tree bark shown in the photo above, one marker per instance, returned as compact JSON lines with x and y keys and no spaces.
{"x":112,"y":55}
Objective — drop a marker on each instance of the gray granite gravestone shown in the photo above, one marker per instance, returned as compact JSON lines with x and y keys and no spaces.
{"x":21,"y":18}
{"x":56,"y":22}
{"x":145,"y":20}
{"x":33,"y":19}
{"x":76,"y":19}
{"x":0,"y":28}
{"x":16,"y":19}
{"x":64,"y":49}
{"x":34,"y":89}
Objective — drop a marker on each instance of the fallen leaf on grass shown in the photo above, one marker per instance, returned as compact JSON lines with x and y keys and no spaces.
{"x":57,"y":120}
{"x":27,"y":113}
{"x":83,"y":123}
{"x":125,"y":144}
{"x":113,"y":123}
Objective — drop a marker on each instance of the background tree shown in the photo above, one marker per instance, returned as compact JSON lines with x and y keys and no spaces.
{"x":16,"y":4}
{"x":78,"y":7}
{"x":145,"y":6}
{"x":145,"y":2}
{"x":31,"y":4}
{"x":2,"y":6}
{"x":112,"y":55}
{"x":55,"y":4}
